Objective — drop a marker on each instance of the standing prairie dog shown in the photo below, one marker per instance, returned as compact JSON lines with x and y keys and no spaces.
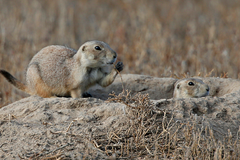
{"x":61,"y":71}
{"x":190,"y":88}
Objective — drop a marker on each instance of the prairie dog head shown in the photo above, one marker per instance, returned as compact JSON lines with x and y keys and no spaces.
{"x":190,"y":88}
{"x":96,"y":54}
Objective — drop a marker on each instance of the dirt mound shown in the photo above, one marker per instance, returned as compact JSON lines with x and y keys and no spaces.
{"x":129,"y":125}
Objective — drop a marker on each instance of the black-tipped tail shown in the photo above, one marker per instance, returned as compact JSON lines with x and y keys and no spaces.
{"x":18,"y":84}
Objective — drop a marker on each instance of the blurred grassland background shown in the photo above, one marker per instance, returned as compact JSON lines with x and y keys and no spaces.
{"x":158,"y":38}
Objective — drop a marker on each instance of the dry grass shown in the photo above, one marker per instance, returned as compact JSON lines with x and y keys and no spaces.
{"x":157,"y":38}
{"x":153,"y":133}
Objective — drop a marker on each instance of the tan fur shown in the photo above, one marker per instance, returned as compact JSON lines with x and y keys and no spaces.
{"x":190,"y":88}
{"x":62,"y":71}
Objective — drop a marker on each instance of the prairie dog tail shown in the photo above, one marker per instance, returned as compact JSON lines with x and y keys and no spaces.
{"x":18,"y":84}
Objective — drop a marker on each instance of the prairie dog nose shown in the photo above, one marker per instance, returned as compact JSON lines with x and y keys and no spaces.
{"x":207,"y":89}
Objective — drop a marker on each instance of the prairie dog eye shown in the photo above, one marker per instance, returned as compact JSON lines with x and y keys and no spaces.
{"x":190,"y":83}
{"x":98,"y":48}
{"x":178,"y":86}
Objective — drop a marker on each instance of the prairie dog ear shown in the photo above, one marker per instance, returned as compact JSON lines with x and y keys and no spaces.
{"x":83,"y":48}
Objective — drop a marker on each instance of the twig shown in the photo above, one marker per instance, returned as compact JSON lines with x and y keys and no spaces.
{"x":70,"y":125}
{"x":121,"y":80}
{"x":36,"y":154}
{"x":43,"y":154}
{"x":66,"y":129}
{"x":149,"y":151}
{"x":57,"y":156}
{"x":114,"y":134}
{"x":96,"y":144}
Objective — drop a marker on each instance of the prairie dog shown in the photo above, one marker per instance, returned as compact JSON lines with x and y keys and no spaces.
{"x":61,"y":71}
{"x":190,"y":88}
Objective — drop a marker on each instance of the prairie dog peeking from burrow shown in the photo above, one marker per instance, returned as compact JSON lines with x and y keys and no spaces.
{"x":190,"y":88}
{"x":61,"y":71}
